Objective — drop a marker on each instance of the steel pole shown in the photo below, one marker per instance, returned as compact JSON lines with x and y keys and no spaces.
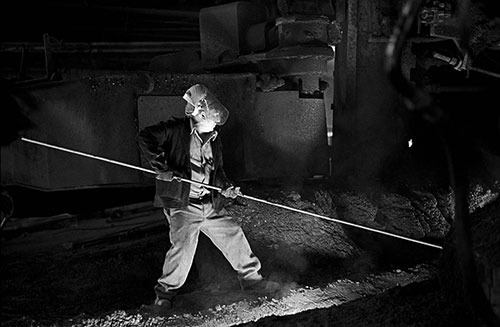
{"x":180,"y":179}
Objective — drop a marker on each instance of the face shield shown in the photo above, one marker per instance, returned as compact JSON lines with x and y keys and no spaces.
{"x":199,"y":99}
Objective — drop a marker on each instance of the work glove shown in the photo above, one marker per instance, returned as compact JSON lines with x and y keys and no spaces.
{"x":159,"y":163}
{"x":231,"y":192}
{"x":163,"y":173}
{"x":166,"y":176}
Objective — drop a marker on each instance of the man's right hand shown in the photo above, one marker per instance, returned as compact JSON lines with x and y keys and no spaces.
{"x":166,"y":176}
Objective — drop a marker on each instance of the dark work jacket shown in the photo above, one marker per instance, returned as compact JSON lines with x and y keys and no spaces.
{"x":165,"y":147}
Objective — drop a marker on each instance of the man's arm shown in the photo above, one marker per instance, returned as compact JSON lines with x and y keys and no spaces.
{"x":150,"y":141}
{"x":222,"y":181}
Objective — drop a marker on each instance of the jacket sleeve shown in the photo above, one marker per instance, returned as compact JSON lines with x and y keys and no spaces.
{"x":221,"y":180}
{"x":150,"y":140}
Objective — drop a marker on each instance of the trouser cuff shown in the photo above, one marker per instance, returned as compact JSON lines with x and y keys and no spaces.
{"x":250,"y":280}
{"x":161,"y":294}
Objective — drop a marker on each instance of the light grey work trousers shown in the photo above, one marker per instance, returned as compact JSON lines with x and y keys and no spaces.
{"x":185,"y":227}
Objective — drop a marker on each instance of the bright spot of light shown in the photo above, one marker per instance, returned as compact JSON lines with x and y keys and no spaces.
{"x":329,"y":134}
{"x":410,"y":143}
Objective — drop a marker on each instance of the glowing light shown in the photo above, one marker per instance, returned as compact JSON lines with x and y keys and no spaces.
{"x":410,"y":143}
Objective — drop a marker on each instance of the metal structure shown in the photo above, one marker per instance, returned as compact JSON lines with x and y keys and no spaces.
{"x":274,"y":64}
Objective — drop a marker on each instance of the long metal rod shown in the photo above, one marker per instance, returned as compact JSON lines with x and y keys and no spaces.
{"x":219,"y":189}
{"x":343,"y":222}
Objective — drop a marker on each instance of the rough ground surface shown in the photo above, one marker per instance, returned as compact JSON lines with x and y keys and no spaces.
{"x":97,"y":271}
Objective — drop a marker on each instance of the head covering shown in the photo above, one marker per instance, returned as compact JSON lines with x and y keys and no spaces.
{"x":199,"y":99}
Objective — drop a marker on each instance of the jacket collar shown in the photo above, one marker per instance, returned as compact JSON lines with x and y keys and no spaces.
{"x":192,"y":128}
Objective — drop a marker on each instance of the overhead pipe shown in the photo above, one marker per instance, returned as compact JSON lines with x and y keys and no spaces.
{"x":151,"y":11}
{"x":101,"y":47}
{"x":139,"y":11}
{"x":218,"y":189}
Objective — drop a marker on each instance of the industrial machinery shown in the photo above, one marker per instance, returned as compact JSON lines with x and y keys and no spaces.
{"x":276,"y":68}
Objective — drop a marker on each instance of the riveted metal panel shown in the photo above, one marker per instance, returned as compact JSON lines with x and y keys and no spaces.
{"x":286,"y":136}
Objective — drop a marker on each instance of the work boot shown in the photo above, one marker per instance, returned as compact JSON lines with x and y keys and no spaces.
{"x":263,"y":287}
{"x":161,"y":307}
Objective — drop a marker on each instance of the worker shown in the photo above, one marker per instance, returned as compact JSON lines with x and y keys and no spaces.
{"x":190,"y":148}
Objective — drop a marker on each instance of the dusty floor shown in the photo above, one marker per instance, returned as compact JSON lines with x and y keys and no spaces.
{"x":97,"y":271}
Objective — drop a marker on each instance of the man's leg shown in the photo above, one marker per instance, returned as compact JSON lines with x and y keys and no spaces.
{"x":229,"y":238}
{"x":184,"y":231}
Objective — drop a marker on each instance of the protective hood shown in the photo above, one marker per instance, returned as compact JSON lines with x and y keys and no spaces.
{"x":199,"y":98}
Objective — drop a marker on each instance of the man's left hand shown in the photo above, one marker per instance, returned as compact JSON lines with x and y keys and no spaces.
{"x":231,"y":192}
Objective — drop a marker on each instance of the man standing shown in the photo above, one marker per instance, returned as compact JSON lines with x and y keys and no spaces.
{"x":191,"y":148}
